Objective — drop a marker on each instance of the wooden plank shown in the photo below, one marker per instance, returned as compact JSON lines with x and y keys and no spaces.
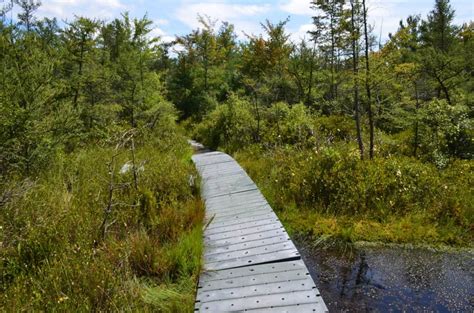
{"x":220,"y":190}
{"x":256,"y":279}
{"x":247,"y":238}
{"x":239,"y":226}
{"x":294,"y":298}
{"x":317,"y":306}
{"x":215,"y":159}
{"x":235,"y":215}
{"x":248,"y":207}
{"x":246,"y":245}
{"x":243,"y":232}
{"x":252,"y":270}
{"x":305,"y":283}
{"x":278,"y":256}
{"x":249,"y":251}
{"x":243,"y":197}
{"x":241,"y":220}
{"x":230,"y":205}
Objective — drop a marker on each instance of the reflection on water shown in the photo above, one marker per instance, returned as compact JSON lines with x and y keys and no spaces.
{"x":392,"y":279}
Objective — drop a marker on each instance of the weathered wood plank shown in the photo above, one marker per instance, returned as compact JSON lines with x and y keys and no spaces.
{"x":294,"y":298}
{"x":246,"y":245}
{"x":252,"y":271}
{"x":248,"y":238}
{"x":241,"y":220}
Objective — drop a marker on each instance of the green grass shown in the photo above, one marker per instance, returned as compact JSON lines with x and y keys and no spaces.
{"x":53,"y":257}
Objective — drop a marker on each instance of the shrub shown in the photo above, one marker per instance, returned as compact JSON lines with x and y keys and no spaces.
{"x":286,"y":124}
{"x":230,"y":126}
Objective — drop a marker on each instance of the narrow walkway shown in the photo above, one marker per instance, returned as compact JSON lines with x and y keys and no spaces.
{"x":250,"y":263}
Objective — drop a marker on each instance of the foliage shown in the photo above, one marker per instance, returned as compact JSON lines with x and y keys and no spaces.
{"x":93,"y":219}
{"x":287,"y":125}
{"x":332,"y":181}
{"x":64,"y":88}
{"x":230,"y":126}
{"x":446,"y":130}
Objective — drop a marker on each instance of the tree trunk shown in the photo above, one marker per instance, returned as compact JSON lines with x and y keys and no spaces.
{"x":367,"y":84}
{"x":333,"y":51}
{"x":206,"y":65}
{"x":355,"y":61}
{"x":415,"y":141}
{"x":444,"y":88}
{"x":81,"y":61}
{"x":311,"y":68}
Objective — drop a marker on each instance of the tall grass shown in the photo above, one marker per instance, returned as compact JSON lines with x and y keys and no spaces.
{"x":53,"y":256}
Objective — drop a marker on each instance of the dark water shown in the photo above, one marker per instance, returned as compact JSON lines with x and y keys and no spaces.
{"x":389,"y":279}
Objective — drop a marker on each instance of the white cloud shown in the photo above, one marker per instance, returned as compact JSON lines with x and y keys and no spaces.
{"x":162,"y":21}
{"x":156,"y":32}
{"x":67,"y":9}
{"x":298,"y":7}
{"x":243,"y":16}
{"x":301,"y":33}
{"x":167,"y":39}
{"x":159,"y":32}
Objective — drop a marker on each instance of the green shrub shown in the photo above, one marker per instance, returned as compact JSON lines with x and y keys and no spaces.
{"x":335,"y":128}
{"x":286,"y":124}
{"x":231,"y":125}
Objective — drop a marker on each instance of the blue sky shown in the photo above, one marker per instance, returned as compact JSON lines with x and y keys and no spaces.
{"x":178,"y":17}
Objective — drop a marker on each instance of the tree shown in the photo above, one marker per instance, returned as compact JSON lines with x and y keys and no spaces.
{"x":355,"y":36}
{"x":301,"y":68}
{"x":205,"y":70}
{"x":132,"y":56}
{"x":80,"y":41}
{"x":35,"y":120}
{"x":265,"y":64}
{"x":26,"y":17}
{"x":329,"y":36}
{"x":367,"y":81}
{"x":437,"y":31}
{"x":440,"y":60}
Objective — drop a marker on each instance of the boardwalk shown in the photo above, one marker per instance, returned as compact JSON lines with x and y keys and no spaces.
{"x":250,"y":263}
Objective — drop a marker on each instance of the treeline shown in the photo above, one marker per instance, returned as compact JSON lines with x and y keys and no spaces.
{"x":418,"y":84}
{"x":66,"y":85}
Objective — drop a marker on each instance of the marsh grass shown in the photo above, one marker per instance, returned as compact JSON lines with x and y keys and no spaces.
{"x":53,"y":257}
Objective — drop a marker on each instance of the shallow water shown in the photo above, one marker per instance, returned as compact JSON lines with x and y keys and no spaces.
{"x":392,"y":279}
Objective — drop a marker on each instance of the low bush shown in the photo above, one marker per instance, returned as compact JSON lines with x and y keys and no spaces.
{"x":334,"y":182}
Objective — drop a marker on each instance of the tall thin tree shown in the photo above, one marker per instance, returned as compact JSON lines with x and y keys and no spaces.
{"x":355,"y":70}
{"x":367,"y":82}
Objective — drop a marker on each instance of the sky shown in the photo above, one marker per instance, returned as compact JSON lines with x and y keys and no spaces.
{"x":179,"y":17}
